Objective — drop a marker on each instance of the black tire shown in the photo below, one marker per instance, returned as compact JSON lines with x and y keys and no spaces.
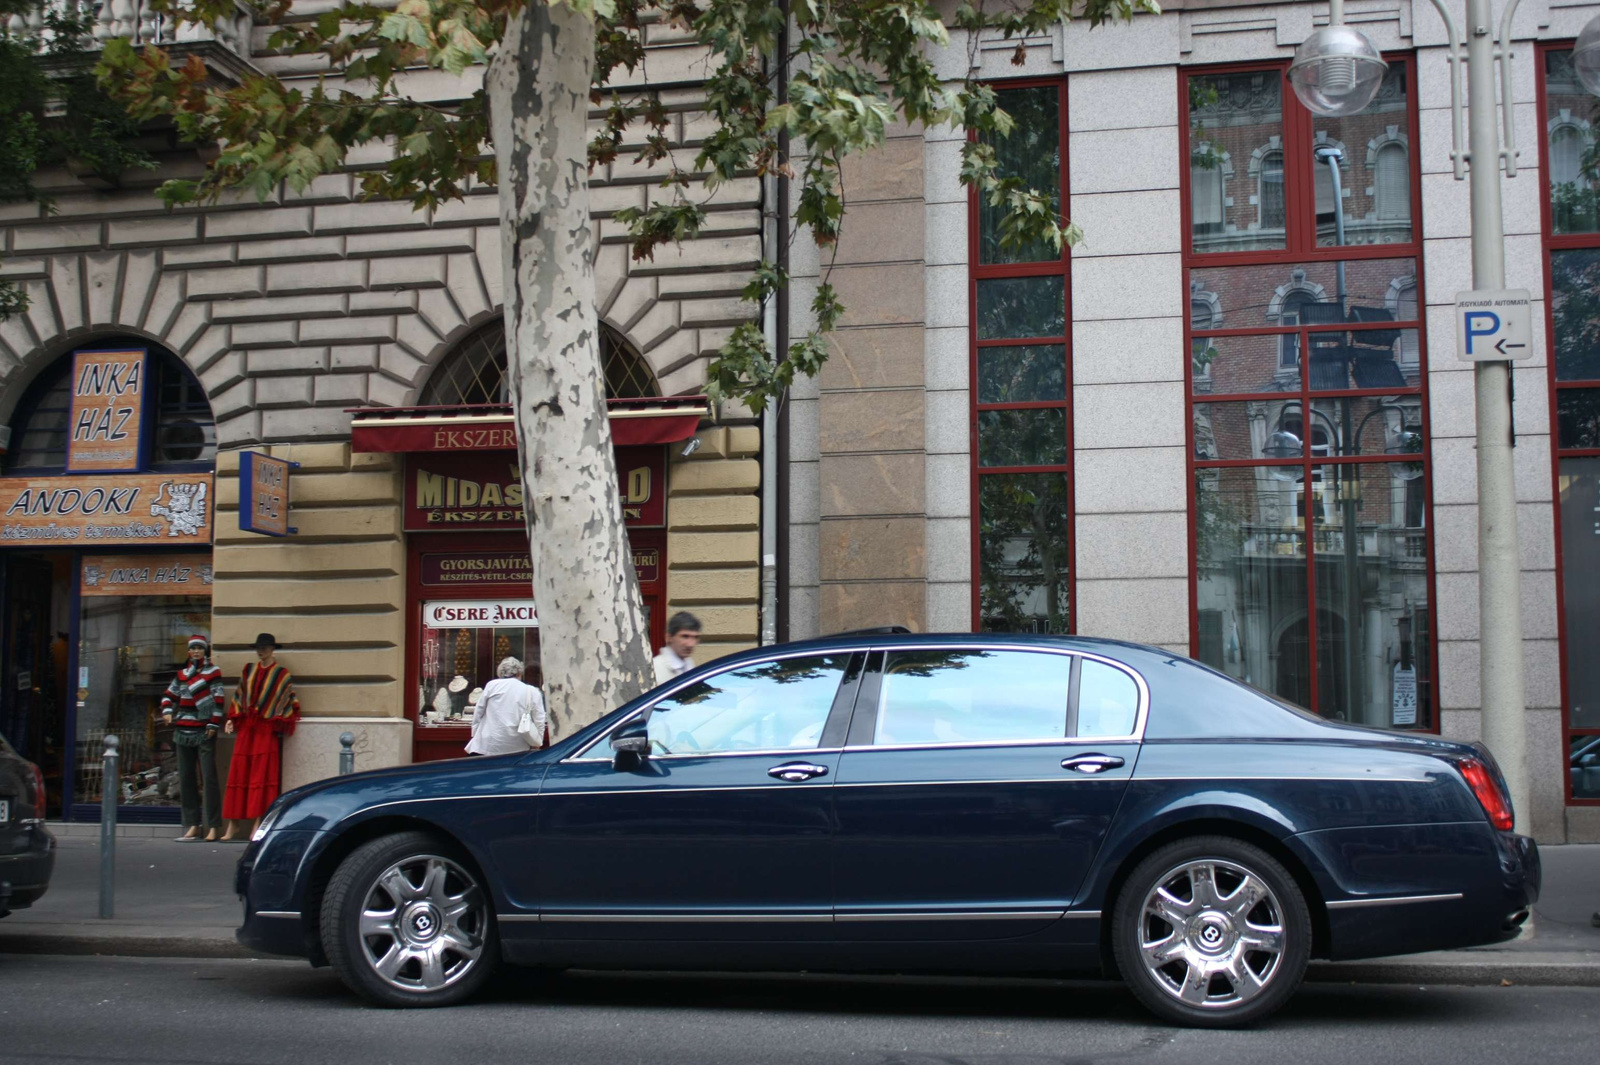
{"x":434,"y":956}
{"x":1232,"y":961}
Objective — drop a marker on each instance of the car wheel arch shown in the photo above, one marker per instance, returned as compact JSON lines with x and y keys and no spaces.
{"x":343,"y":841}
{"x":1290,"y":858}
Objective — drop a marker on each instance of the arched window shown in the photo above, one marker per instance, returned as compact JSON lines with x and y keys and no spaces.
{"x":1206,"y":190}
{"x":1269,"y":192}
{"x":475,"y":373}
{"x":1566,"y":155}
{"x":183,"y":431}
{"x":1391,"y":184}
{"x":1289,"y":343}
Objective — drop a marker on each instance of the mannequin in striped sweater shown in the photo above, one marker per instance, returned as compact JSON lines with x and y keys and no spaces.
{"x":193,"y":706}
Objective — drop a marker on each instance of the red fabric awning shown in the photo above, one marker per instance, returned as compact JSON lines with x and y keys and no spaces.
{"x":492,"y":428}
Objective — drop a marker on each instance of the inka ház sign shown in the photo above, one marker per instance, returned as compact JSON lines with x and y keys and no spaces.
{"x":446,"y":491}
{"x":264,"y":494}
{"x":106,"y":419}
{"x":147,"y":574}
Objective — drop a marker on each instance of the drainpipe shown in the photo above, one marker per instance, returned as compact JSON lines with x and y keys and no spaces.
{"x":771,"y":244}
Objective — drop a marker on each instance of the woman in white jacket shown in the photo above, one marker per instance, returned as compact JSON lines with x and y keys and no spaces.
{"x":506,"y":701}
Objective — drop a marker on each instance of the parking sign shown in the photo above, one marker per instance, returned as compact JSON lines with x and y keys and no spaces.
{"x":1493,"y":324}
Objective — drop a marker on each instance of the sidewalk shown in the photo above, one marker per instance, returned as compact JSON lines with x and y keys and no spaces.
{"x":176,"y":900}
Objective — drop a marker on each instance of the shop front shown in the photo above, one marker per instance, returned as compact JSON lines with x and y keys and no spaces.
{"x":106,"y":508}
{"x":469,"y":576}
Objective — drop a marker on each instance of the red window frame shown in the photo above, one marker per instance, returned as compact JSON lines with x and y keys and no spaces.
{"x":1299,"y":135}
{"x":1554,"y":242}
{"x":977,"y":272}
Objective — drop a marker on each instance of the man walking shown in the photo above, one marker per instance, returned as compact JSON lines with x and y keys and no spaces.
{"x":683,"y":636}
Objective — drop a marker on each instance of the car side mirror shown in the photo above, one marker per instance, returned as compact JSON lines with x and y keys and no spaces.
{"x":630,"y":744}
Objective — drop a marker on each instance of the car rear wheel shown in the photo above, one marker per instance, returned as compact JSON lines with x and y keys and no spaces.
{"x":407,"y":922}
{"x":1211,"y":932}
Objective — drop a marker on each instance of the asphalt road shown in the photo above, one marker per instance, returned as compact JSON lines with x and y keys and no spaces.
{"x":70,"y":1011}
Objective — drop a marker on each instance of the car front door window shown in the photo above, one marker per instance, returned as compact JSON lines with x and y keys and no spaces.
{"x":776,"y":705}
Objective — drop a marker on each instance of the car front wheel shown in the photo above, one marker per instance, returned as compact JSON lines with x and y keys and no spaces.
{"x":406,"y":922}
{"x":1211,"y":932}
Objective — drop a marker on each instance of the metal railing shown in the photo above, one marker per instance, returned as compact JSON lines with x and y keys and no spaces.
{"x":132,"y":20}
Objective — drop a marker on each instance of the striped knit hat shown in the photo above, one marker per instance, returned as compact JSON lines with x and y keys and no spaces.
{"x":201,"y":640}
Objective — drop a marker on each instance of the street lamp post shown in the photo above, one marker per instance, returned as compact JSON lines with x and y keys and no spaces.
{"x":1499,"y":567}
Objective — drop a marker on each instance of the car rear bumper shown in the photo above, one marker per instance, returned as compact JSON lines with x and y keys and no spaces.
{"x":1473,"y":887}
{"x":25,"y":873}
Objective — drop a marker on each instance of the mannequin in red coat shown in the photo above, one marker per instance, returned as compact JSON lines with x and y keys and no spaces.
{"x":263,"y":711}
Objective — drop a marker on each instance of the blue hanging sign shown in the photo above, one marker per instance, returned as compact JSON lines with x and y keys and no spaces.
{"x":264,"y":494}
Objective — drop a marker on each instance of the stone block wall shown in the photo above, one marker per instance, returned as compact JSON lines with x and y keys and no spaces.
{"x":334,"y":594}
{"x":714,"y":538}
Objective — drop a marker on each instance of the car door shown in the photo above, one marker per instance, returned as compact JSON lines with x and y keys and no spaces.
{"x":976,"y":786}
{"x":723,"y":831}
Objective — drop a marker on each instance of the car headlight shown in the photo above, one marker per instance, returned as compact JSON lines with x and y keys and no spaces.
{"x":268,"y":819}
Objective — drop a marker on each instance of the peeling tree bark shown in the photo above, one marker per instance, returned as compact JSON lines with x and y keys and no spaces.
{"x":593,"y":646}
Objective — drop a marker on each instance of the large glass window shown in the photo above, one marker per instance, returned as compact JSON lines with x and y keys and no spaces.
{"x":767,"y":706}
{"x":131,"y":647}
{"x":1021,"y":414}
{"x":1307,"y":411}
{"x":459,"y":659}
{"x":1572,"y":243}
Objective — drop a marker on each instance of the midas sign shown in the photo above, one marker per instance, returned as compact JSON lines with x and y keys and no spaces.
{"x":484,"y":491}
{"x":107,"y":416}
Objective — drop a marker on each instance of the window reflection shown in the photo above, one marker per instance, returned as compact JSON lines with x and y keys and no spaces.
{"x":768,"y":706}
{"x":1032,"y":154}
{"x":1236,"y":170}
{"x":1023,"y":552}
{"x":1354,"y":646}
{"x":1574,"y":167}
{"x":973,"y":697}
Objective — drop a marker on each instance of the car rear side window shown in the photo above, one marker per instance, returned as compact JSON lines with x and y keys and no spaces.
{"x":776,"y":705}
{"x":972,"y":696}
{"x":1108,"y":701}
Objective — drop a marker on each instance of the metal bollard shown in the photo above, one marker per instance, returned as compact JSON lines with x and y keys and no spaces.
{"x":347,"y":754}
{"x":110,"y":781}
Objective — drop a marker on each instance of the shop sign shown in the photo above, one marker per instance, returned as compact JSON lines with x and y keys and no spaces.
{"x":264,"y":494}
{"x":446,"y":491}
{"x":480,"y":614}
{"x":466,"y":568}
{"x":147,"y":575}
{"x":107,"y":412}
{"x":148,"y":509}
{"x":647,"y":564}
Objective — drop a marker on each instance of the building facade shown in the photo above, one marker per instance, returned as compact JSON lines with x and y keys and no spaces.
{"x":362,"y":342}
{"x":1231,"y":422}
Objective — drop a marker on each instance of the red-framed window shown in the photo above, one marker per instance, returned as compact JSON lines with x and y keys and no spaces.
{"x":1021,"y":374}
{"x":1307,"y":397}
{"x":1571,"y":219}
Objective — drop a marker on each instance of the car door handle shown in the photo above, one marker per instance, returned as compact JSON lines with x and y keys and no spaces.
{"x":794,"y":772}
{"x":1092,"y":763}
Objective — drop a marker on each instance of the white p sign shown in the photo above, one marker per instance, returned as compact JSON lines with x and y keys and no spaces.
{"x":1493,"y":325}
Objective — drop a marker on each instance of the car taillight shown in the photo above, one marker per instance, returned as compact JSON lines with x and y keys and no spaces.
{"x":1490,"y":797}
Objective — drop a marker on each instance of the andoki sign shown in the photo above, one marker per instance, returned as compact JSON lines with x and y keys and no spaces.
{"x":150,"y":509}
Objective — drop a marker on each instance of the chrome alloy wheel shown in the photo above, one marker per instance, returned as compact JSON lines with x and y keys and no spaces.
{"x":1211,"y":934}
{"x":423,"y":923}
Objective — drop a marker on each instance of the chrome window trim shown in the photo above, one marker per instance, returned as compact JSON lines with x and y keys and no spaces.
{"x":1396,"y":900}
{"x":679,"y":685}
{"x":1141,"y":717}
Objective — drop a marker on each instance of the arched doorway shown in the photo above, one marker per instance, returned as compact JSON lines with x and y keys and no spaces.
{"x":106,"y":499}
{"x":469,"y":572}
{"x":1294,"y":668}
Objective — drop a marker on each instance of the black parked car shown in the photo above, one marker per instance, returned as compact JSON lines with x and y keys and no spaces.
{"x":27,"y":849}
{"x":890,"y":802}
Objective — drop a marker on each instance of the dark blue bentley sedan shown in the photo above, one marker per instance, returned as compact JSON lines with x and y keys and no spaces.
{"x":892,"y":802}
